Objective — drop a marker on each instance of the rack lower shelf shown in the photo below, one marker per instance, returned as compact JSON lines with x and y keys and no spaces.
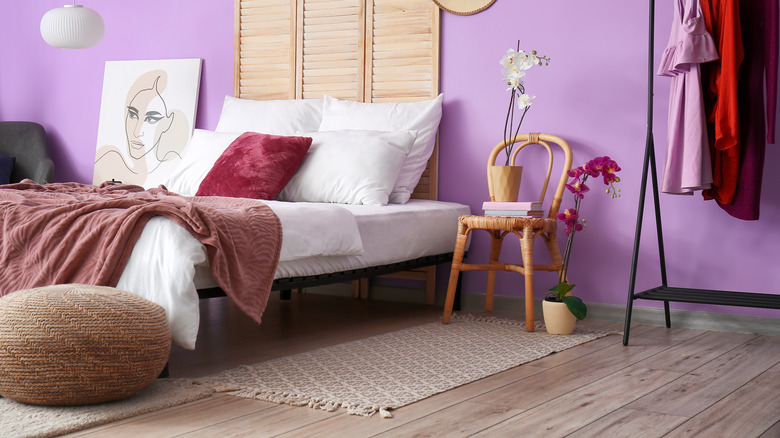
{"x":706,"y":296}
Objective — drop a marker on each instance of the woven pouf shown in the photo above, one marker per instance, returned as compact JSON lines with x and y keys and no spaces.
{"x":75,"y":344}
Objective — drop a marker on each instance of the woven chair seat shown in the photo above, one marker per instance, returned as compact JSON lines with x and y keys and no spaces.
{"x":78,"y":344}
{"x":509,"y":223}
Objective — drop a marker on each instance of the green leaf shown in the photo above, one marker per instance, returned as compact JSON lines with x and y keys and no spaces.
{"x":576,"y":306}
{"x":562,"y":289}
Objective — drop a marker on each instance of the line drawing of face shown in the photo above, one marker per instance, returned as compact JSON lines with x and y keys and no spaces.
{"x":152,"y":123}
{"x":146,"y":120}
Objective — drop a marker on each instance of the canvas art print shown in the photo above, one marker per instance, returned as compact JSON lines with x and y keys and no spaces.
{"x":147,"y":113}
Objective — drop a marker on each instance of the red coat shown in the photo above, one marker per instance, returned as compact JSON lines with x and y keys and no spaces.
{"x":720,"y":96}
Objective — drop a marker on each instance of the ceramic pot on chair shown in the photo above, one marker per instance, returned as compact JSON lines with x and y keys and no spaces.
{"x":503,"y":181}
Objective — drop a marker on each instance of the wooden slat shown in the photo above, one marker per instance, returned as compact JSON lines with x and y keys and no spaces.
{"x":314,"y":5}
{"x":330,"y":27}
{"x":258,"y":3}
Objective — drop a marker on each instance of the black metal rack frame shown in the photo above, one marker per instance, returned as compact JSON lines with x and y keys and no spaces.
{"x":664,"y":292}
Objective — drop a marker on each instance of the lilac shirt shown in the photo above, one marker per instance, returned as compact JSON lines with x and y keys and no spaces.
{"x":688,"y":165}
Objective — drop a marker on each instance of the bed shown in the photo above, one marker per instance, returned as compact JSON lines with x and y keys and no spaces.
{"x":360,"y":78}
{"x":346,"y":213}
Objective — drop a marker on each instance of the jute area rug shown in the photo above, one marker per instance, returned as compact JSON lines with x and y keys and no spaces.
{"x":21,"y":420}
{"x":391,"y":370}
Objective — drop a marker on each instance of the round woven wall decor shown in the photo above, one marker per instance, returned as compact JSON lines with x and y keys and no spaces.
{"x":77,"y":344}
{"x":464,"y":7}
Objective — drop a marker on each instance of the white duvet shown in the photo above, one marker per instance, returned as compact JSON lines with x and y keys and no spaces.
{"x":163,"y":263}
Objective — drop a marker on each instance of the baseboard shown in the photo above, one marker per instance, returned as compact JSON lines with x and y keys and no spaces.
{"x":604,"y":312}
{"x":698,"y":320}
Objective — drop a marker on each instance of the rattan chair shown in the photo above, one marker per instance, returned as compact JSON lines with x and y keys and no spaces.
{"x":525,"y":228}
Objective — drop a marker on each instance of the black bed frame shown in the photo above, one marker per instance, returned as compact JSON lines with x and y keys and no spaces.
{"x":286,"y":285}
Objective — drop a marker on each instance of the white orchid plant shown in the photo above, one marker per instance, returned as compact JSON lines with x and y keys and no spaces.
{"x":514,"y":65}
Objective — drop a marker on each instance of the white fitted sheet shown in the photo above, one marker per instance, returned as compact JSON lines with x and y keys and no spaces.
{"x":391,"y":233}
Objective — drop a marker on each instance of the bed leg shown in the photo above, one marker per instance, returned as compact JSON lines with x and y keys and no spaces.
{"x":285,"y":294}
{"x":355,"y":288}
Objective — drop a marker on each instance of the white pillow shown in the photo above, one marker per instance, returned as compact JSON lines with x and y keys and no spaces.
{"x":203,"y":150}
{"x":277,"y":117}
{"x":349,"y":167}
{"x":423,"y":117}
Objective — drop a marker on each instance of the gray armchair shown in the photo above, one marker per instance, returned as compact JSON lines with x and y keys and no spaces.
{"x":27,"y":142}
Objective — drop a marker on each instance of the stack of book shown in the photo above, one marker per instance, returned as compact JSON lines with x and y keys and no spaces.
{"x":527,"y":208}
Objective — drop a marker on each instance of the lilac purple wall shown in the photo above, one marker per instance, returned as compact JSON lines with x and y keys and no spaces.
{"x":61,"y":89}
{"x":593,"y":94}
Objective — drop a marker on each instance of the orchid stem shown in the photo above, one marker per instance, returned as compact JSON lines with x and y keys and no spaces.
{"x":569,"y":241}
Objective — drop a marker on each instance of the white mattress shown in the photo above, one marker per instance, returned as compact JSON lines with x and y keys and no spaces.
{"x":390,"y":234}
{"x":168,"y":264}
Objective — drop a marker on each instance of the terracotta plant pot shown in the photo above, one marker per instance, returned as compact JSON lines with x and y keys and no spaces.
{"x":505,"y":181}
{"x":557,"y":318}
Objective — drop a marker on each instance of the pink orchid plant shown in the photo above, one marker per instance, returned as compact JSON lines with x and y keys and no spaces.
{"x":606,"y":168}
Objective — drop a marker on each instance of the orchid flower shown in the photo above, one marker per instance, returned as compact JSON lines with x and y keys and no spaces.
{"x":514,"y":65}
{"x":570,"y":218}
{"x":608,"y":171}
{"x":514,"y":79}
{"x":592,"y":167}
{"x":524,"y":100}
{"x":578,"y":187}
{"x":600,"y":166}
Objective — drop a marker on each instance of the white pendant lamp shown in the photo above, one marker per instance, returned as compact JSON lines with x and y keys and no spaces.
{"x":72,"y":27}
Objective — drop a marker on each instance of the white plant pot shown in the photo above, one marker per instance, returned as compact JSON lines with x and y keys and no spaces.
{"x":557,"y":318}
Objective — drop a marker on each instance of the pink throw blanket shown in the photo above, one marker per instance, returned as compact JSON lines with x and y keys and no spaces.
{"x":75,"y":233}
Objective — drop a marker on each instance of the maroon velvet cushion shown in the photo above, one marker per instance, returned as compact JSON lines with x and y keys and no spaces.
{"x":255,"y":166}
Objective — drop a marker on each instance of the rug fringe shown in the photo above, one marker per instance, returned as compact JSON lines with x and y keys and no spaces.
{"x":298,"y":401}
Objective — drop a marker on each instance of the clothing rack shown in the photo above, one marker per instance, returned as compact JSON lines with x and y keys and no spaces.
{"x":664,"y":292}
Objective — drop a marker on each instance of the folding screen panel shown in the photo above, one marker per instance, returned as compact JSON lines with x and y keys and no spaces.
{"x":364,"y":50}
{"x":265,"y":49}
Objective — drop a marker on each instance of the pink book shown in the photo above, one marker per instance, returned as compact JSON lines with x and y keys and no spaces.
{"x":524,"y":205}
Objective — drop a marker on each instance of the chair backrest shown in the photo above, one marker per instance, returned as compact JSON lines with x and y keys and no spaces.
{"x":544,"y":140}
{"x":26,"y":141}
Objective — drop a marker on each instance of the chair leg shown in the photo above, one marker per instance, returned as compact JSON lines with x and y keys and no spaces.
{"x":496,"y":239}
{"x":457,"y":260}
{"x":527,"y":248}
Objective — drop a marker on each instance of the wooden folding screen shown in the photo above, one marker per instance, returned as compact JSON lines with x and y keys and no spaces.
{"x":370,"y":51}
{"x":362,"y":50}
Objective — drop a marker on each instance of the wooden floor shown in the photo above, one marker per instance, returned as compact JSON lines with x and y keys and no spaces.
{"x":667,"y":382}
